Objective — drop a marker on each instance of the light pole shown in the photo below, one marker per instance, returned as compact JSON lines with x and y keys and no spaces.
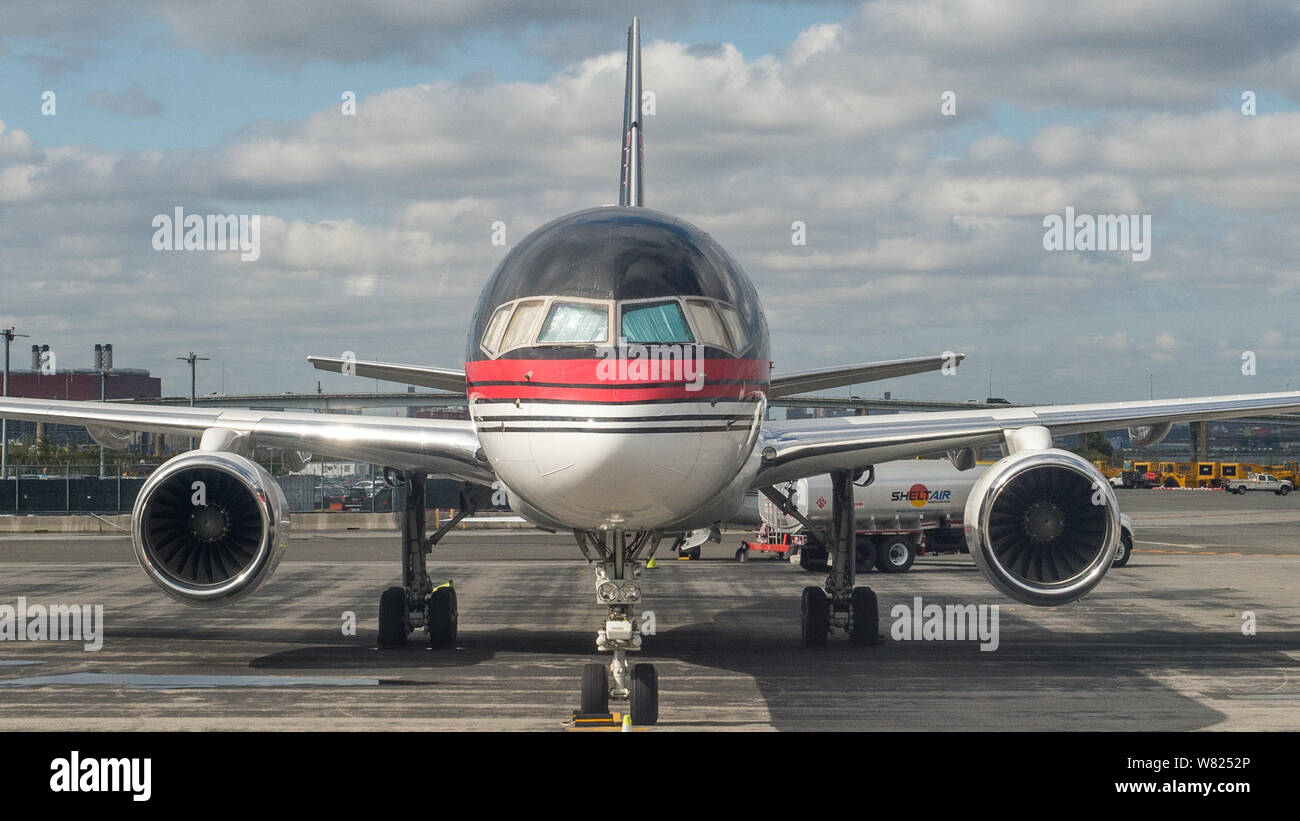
{"x":192,"y":359}
{"x":9,"y":337}
{"x":103,"y":396}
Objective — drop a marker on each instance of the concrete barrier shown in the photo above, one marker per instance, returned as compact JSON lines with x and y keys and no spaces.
{"x":115,"y":524}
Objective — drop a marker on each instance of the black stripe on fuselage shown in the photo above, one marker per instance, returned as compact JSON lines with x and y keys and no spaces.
{"x":606,"y":386}
{"x":684,"y":417}
{"x":711,"y":400}
{"x":543,"y":429}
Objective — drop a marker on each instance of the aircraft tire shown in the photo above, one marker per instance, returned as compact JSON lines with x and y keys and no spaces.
{"x":595,"y":689}
{"x":643,"y":695}
{"x":392,"y":618}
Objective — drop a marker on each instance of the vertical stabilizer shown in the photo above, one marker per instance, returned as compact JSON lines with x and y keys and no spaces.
{"x":630,"y":190}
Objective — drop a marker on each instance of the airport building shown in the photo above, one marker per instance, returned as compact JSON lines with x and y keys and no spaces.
{"x":46,"y":378}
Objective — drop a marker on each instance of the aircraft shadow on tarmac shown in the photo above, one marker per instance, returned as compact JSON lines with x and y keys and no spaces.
{"x":1037,"y":678}
{"x":472,"y":647}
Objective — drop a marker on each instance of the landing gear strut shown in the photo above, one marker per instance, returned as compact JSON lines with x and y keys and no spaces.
{"x":838,"y":604}
{"x":419,"y":602}
{"x":619,"y":561}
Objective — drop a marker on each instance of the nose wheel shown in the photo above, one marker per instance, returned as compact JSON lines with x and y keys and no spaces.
{"x":642,"y":692}
{"x":595,"y":689}
{"x":643,"y":696}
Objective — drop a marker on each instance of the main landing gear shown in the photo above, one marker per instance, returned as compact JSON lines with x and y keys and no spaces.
{"x":838,"y":605}
{"x":617,"y":556}
{"x":419,"y":602}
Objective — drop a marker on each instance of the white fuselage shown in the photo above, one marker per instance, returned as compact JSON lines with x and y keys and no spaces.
{"x":633,"y":466}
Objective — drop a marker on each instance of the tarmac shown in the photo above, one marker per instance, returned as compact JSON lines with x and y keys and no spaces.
{"x":1161,"y":644}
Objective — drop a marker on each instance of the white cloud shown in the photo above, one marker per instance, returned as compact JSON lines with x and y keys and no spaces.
{"x":1272,"y":339}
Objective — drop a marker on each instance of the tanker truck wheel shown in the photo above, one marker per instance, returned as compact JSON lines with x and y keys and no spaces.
{"x":813,"y":559}
{"x":1125,"y":550}
{"x":896,"y":554}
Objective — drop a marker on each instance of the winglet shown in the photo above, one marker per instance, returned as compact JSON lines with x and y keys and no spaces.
{"x":446,"y":379}
{"x":787,"y":384}
{"x":631,"y":191}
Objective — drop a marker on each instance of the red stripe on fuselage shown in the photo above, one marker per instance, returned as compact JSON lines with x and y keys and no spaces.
{"x":589,"y":372}
{"x":599,"y":380}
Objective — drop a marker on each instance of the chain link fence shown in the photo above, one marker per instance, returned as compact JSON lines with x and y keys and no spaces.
{"x":72,"y":488}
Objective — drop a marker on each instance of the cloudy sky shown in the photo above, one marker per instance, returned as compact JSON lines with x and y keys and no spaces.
{"x":924,"y":227}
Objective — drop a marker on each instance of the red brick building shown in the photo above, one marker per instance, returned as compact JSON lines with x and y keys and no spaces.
{"x":76,"y":383}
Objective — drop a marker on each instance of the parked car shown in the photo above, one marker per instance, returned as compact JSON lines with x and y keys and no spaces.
{"x":364,"y":500}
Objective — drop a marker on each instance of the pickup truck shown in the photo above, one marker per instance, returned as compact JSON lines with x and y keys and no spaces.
{"x":1259,"y":481}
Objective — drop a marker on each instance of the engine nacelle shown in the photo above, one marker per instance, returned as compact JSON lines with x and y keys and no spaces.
{"x":295,"y":460}
{"x":1043,"y":526}
{"x":112,"y":438}
{"x":963,"y":459}
{"x":1146,"y":435}
{"x":209,"y":527}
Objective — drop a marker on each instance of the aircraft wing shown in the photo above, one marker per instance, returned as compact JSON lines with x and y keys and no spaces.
{"x":788,"y":384}
{"x":448,"y":379}
{"x":796,"y":448}
{"x":441,"y":446}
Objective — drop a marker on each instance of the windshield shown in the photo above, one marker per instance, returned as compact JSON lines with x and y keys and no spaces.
{"x":655,"y":322}
{"x":575,"y":322}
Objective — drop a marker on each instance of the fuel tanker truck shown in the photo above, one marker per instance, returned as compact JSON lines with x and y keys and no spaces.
{"x":910,"y":508}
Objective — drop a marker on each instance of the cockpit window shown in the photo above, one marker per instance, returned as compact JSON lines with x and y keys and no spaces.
{"x":655,"y":322}
{"x":497,"y":325}
{"x":557,"y":320}
{"x":520,"y":330}
{"x":708,"y":324}
{"x":735,"y":327}
{"x":575,"y":322}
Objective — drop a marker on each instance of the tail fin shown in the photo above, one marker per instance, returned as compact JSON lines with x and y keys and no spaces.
{"x":631,"y":191}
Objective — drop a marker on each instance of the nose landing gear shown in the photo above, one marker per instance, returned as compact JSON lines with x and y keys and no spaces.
{"x":619,"y":563}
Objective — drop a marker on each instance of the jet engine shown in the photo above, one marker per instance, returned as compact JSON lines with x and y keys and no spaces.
{"x":1043,"y":526}
{"x":209,"y":527}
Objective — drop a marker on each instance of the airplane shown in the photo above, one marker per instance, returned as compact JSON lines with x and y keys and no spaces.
{"x":617,"y":374}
